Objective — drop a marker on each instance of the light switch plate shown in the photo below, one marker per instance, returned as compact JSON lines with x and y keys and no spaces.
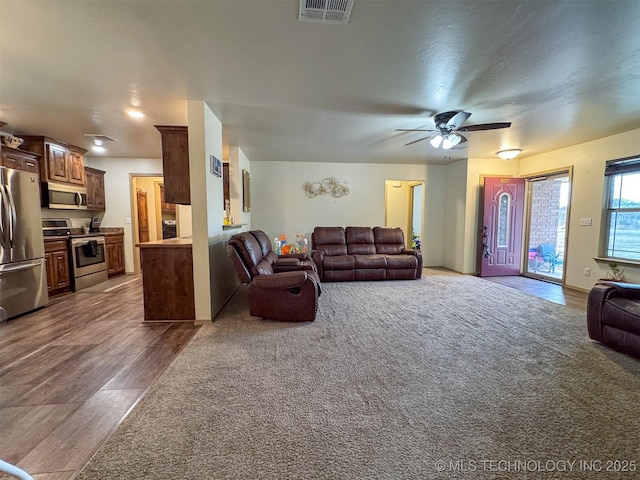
{"x":585,"y":222}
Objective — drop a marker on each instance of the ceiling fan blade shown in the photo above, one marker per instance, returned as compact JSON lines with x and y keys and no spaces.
{"x":462,"y":139}
{"x":416,"y":141}
{"x":484,"y":126}
{"x":458,"y":119}
{"x":413,"y":130}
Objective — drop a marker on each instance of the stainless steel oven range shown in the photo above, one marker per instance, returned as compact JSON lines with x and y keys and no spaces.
{"x":89,"y":260}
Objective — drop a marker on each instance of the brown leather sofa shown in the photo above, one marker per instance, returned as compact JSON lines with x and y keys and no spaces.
{"x":279,"y":287}
{"x":613,"y":316}
{"x":363,"y":253}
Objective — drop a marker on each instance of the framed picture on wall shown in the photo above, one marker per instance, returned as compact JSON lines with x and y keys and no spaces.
{"x":216,"y":166}
{"x":246,"y":191}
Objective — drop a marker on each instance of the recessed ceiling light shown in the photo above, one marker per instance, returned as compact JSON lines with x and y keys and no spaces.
{"x":135,"y":113}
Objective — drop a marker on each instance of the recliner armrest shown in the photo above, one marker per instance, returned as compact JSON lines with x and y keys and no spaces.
{"x":626,"y":290}
{"x":282,"y":280}
{"x":287,"y":261}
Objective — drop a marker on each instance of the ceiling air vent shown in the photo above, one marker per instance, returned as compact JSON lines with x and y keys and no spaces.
{"x":325,"y":11}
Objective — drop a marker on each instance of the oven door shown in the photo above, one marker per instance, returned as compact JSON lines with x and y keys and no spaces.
{"x":89,"y":255}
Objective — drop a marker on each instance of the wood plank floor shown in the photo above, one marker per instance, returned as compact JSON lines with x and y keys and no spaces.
{"x":70,"y":373}
{"x":549,"y":291}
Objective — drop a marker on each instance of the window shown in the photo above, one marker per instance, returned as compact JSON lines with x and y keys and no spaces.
{"x":503,"y":220}
{"x":622,"y":238}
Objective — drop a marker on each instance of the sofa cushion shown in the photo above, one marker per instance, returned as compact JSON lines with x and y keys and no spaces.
{"x":263,"y":268}
{"x":360,"y":241}
{"x":248,"y":248}
{"x":401,"y":262}
{"x":339,"y":262}
{"x":371,"y":261}
{"x":331,"y":240}
{"x":388,"y":240}
{"x":263,"y":240}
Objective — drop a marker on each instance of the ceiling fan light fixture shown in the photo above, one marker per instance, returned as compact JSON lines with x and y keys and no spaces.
{"x":436,"y":140}
{"x":450,"y":141}
{"x":509,"y":154}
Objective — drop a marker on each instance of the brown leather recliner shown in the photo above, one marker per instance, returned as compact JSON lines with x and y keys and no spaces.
{"x":280,"y":287}
{"x":613,"y":316}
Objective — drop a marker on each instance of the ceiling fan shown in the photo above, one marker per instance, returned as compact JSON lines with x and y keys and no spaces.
{"x":447,"y":126}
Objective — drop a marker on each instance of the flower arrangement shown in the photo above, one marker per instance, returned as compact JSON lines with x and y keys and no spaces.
{"x":281,"y":247}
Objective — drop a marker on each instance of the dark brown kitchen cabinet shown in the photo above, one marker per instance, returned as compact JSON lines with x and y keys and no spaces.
{"x":56,"y":258}
{"x":115,"y":254}
{"x":175,"y":164}
{"x":60,"y":161}
{"x":166,"y":207}
{"x":19,"y":160}
{"x":94,"y":179}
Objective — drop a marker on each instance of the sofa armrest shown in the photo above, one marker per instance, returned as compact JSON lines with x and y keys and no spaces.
{"x":282,"y":280}
{"x":595,"y":301}
{"x":418,"y":255}
{"x":626,"y":290}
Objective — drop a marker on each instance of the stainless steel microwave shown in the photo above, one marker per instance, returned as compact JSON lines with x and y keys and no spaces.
{"x":58,"y":195}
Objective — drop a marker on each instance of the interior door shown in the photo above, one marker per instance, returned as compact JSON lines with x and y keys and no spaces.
{"x":143,"y":216}
{"x":501,"y":231}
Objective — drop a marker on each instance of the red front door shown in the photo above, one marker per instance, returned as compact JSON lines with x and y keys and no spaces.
{"x":501,"y":231}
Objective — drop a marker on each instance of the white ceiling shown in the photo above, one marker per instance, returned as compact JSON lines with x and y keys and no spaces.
{"x":563,"y":72}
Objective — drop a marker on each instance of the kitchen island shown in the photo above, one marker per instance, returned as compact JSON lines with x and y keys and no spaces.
{"x":167,"y":280}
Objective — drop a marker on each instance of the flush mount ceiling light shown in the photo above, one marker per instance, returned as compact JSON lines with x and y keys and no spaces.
{"x":509,"y":154}
{"x":446,"y":141}
{"x":135,"y":113}
{"x":98,"y":141}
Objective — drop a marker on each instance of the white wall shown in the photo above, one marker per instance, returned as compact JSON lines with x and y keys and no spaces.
{"x":279,"y":204}
{"x":454,"y":205}
{"x":397,"y":206}
{"x":237,"y":163}
{"x":588,"y":160}
{"x":117,"y":187}
{"x":215,"y":279}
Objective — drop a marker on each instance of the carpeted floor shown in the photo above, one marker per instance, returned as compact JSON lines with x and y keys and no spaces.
{"x":447,"y":377}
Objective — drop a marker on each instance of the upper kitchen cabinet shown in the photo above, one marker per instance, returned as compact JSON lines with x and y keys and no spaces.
{"x":94,"y":179}
{"x":19,"y":160}
{"x":175,"y":164}
{"x":60,"y":162}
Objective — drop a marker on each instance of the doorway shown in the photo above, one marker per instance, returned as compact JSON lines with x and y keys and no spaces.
{"x":500,"y":243}
{"x":546,"y":227}
{"x":404,"y":201}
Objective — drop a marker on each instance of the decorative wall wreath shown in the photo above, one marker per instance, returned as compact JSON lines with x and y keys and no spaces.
{"x":328,"y":186}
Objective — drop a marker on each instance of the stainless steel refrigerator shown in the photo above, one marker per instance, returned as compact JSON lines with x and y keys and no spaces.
{"x":23,"y":278}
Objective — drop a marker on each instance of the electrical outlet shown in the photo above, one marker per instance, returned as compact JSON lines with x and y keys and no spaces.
{"x":587,"y":271}
{"x":127,"y":220}
{"x":585,"y":222}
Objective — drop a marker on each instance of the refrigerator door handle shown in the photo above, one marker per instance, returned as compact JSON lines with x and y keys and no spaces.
{"x":18,"y":268}
{"x":13,"y":218}
{"x":5,"y":226}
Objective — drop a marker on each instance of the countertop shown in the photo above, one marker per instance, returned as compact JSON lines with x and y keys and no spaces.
{"x":182,"y":242}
